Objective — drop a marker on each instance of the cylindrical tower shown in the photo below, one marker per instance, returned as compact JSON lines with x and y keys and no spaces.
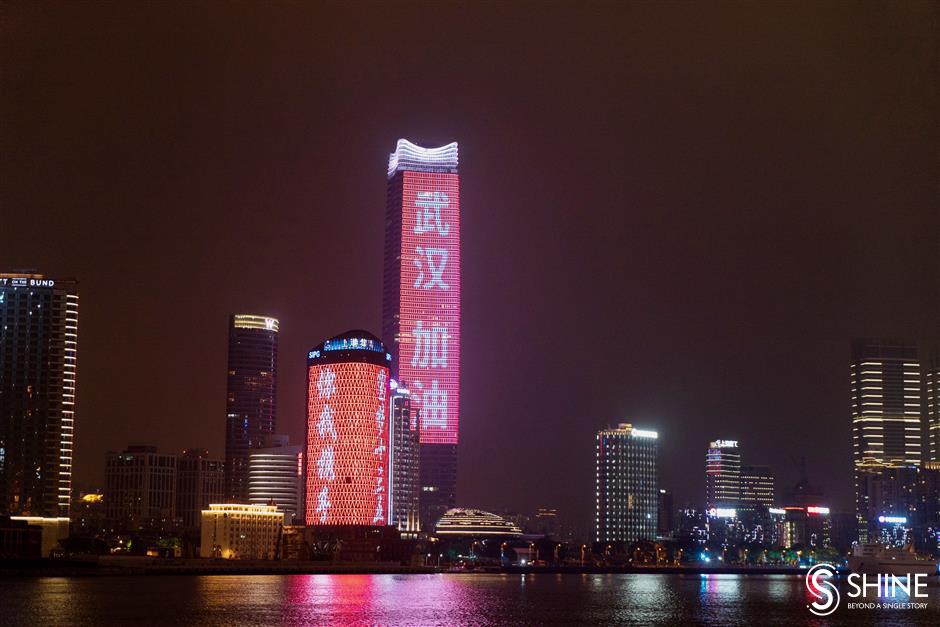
{"x":347,"y":431}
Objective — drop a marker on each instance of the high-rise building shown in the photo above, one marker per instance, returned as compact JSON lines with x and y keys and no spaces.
{"x":140,"y":489}
{"x":200,"y":481}
{"x":252,"y":392}
{"x":886,"y":420}
{"x":627,"y":495}
{"x":404,"y":463}
{"x":666,"y":522}
{"x":886,"y":424}
{"x":757,"y":486}
{"x":421,"y":306}
{"x":722,"y":475}
{"x":38,"y":366}
{"x":932,"y":379}
{"x":275,"y":476}
{"x":347,"y":431}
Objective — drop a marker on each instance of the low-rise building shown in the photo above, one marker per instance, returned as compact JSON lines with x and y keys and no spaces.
{"x":235,"y":531}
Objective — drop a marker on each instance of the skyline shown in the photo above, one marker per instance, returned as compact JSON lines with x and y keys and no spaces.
{"x":701,"y":338}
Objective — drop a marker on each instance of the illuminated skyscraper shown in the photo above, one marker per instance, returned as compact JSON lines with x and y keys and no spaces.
{"x":347,"y":431}
{"x":252,"y":392}
{"x":405,"y":490}
{"x":421,"y":306}
{"x":627,"y":506}
{"x":932,"y":379}
{"x":885,"y":380}
{"x":722,"y":475}
{"x":886,"y":419}
{"x":38,"y":365}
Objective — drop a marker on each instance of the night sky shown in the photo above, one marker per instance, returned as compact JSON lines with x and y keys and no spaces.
{"x":678,"y":215}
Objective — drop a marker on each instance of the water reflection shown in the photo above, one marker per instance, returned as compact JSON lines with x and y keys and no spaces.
{"x":482,"y":599}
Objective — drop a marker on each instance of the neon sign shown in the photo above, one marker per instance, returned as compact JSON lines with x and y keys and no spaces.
{"x":347,"y":444}
{"x":429,"y":332}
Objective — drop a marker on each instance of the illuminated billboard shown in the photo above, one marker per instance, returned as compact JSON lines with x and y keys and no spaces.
{"x":429,"y":291}
{"x":347,"y":437}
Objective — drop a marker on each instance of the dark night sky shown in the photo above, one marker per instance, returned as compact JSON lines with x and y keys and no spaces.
{"x":678,"y":215}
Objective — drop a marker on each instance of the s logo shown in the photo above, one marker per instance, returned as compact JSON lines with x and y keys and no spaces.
{"x":823,"y":590}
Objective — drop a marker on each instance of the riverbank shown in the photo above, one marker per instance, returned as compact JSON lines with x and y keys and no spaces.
{"x":129,"y":565}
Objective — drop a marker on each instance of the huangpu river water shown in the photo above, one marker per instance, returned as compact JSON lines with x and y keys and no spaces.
{"x":445,"y":599}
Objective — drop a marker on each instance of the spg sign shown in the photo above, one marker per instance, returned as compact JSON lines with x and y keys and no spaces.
{"x":430,"y":290}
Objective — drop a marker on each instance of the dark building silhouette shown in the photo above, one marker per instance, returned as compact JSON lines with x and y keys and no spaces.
{"x":200,"y":481}
{"x":38,"y":366}
{"x":140,"y":489}
{"x":252,"y":393}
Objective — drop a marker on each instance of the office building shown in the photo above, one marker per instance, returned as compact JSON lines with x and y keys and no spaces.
{"x":475,"y":523}
{"x":885,"y":385}
{"x":421,"y":307}
{"x":722,"y":475}
{"x":236,"y":531}
{"x":200,"y":480}
{"x":757,"y":487}
{"x":404,"y":462}
{"x":38,"y":369}
{"x":627,"y":498}
{"x":252,"y":392}
{"x":932,"y":380}
{"x":347,"y":431}
{"x":140,"y":489}
{"x":886,"y":404}
{"x":275,"y":477}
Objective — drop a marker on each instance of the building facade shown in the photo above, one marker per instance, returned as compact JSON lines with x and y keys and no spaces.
{"x":757,"y":487}
{"x":347,"y":431}
{"x":722,"y":475}
{"x":421,"y":306}
{"x":38,"y":374}
{"x":251,"y":396}
{"x":404,"y":463}
{"x":200,"y":480}
{"x":627,"y":497}
{"x":236,"y":531}
{"x":932,"y":390}
{"x":275,"y":477}
{"x":885,"y":385}
{"x":886,"y":404}
{"x":140,"y":489}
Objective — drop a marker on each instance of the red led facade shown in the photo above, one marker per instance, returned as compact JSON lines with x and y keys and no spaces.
{"x":347,"y":444}
{"x":429,"y":336}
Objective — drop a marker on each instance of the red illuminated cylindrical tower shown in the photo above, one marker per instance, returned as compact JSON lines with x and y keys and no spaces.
{"x":347,"y":431}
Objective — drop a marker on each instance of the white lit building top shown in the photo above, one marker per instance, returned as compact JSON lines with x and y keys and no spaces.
{"x":408,"y":156}
{"x":249,"y":321}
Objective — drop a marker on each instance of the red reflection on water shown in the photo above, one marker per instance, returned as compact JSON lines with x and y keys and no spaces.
{"x":374,"y":598}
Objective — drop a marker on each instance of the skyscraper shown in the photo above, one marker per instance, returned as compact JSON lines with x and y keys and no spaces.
{"x":38,"y":367}
{"x":757,"y":486}
{"x":886,"y":421}
{"x":886,"y":425}
{"x":932,"y":379}
{"x":405,"y":489}
{"x":421,"y":306}
{"x":347,"y":431}
{"x":722,"y":475}
{"x":627,"y":500}
{"x":275,"y":475}
{"x":252,"y":393}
